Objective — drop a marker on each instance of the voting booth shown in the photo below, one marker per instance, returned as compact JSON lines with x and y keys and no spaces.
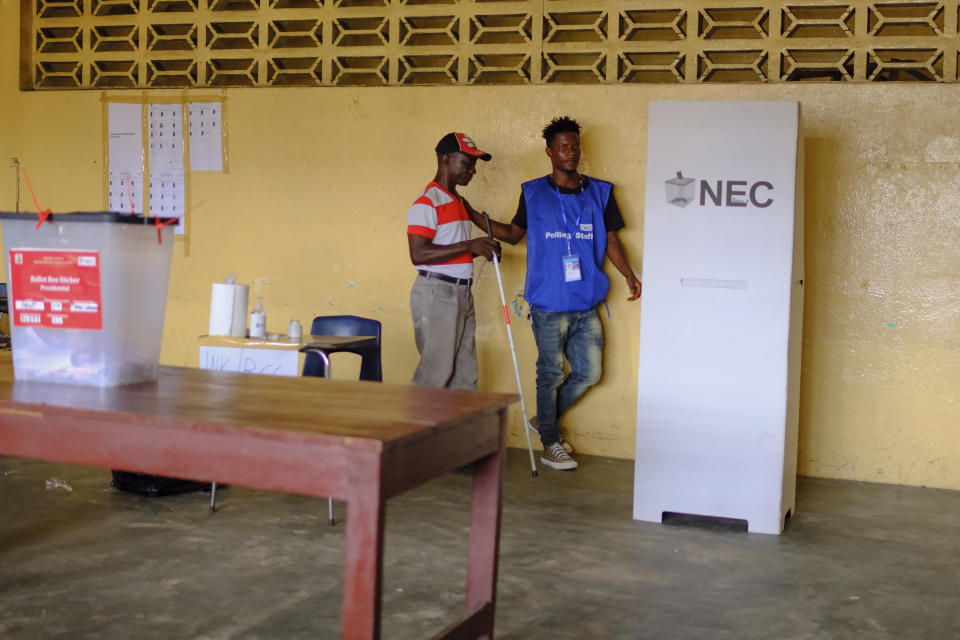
{"x":720,"y":332}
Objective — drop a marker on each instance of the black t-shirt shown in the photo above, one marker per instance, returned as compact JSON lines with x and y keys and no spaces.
{"x":612,"y":219}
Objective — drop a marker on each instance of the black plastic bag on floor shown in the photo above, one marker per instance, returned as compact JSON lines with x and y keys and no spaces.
{"x":154,"y":486}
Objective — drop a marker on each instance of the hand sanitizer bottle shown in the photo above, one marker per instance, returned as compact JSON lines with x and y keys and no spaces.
{"x":258,"y":321}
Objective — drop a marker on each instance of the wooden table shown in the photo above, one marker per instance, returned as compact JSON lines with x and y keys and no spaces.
{"x":360,"y":442}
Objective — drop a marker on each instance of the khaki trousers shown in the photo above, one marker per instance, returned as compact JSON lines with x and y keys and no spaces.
{"x":444,"y":325}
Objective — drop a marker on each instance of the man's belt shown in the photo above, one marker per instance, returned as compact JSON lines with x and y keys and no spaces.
{"x":445,"y":278}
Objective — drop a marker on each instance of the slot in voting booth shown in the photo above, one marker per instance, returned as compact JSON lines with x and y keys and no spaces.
{"x":720,"y":333}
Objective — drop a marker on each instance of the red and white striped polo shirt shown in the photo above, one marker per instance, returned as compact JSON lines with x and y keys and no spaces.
{"x":439,"y":215}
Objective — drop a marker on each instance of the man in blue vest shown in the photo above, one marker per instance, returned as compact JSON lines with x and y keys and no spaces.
{"x":571,"y":223}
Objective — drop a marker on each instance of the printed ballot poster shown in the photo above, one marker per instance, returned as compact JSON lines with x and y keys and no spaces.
{"x":56,"y":289}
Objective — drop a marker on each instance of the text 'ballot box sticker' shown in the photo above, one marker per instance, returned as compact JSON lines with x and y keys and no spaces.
{"x":56,"y":289}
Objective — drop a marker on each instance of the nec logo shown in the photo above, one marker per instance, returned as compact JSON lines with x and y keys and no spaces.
{"x":681,"y":191}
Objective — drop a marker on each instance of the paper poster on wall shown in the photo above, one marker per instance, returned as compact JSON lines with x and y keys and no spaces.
{"x":164,"y":126}
{"x":206,"y":131}
{"x":125,"y":182}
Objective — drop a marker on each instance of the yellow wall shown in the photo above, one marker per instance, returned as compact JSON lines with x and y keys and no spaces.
{"x":313,"y":213}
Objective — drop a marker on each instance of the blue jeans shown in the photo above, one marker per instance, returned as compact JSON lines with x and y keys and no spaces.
{"x":578,"y":335}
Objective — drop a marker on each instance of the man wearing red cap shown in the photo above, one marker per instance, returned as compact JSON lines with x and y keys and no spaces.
{"x":441,"y":247}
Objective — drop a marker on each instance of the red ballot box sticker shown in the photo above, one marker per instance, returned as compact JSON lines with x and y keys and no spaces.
{"x":55,"y":289}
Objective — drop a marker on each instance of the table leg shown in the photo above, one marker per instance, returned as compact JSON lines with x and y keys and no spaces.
{"x":363,"y":566}
{"x":485,"y":529}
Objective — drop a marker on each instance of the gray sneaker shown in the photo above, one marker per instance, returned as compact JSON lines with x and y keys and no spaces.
{"x":554,"y":456}
{"x":563,"y":441}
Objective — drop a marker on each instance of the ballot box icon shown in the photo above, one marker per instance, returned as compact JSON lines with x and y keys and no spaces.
{"x":680,"y":190}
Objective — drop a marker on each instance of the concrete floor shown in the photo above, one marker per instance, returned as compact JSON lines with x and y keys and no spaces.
{"x":856,"y":561}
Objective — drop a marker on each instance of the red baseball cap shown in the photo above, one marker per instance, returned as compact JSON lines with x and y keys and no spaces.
{"x":460,"y":142}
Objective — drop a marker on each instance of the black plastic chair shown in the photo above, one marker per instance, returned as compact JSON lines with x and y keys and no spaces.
{"x":370,"y":368}
{"x":314,"y":365}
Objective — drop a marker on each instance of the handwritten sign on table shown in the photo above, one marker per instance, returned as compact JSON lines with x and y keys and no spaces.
{"x":274,"y":362}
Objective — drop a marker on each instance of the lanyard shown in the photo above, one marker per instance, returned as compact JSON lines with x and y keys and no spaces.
{"x":563,"y":214}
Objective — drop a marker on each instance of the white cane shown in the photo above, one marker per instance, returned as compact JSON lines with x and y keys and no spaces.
{"x":513,"y":351}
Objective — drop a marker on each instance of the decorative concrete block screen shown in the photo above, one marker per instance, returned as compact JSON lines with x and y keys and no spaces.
{"x":114,"y":44}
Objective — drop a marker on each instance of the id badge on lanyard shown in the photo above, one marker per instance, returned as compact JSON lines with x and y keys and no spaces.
{"x":571,"y":267}
{"x":571,"y":262}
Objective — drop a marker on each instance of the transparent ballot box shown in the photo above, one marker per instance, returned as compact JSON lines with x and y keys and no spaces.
{"x":87,"y":294}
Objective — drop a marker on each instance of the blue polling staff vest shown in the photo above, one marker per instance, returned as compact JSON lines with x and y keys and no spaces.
{"x":553,"y":220}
